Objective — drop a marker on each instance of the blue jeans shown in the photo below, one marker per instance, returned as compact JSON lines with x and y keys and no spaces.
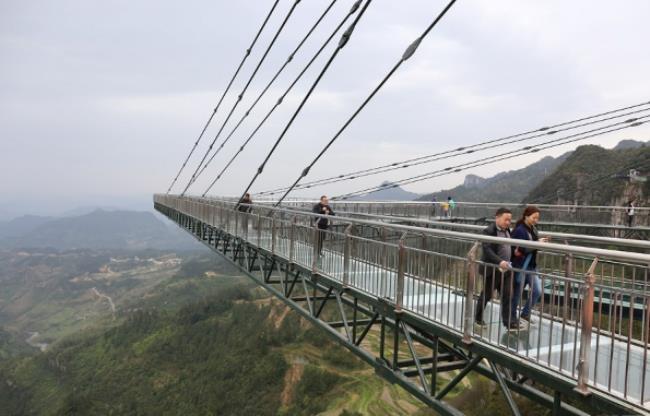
{"x":533,"y":281}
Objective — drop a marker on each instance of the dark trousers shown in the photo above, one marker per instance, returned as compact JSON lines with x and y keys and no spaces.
{"x":503,"y":283}
{"x":630,"y":220}
{"x":321,"y":238}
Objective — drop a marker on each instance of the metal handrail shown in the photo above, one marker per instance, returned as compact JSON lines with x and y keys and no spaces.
{"x":560,"y":248}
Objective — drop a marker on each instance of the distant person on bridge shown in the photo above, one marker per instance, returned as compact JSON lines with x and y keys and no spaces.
{"x":630,"y":213}
{"x":445,"y":209}
{"x":496,"y":272}
{"x":434,"y":206}
{"x":245,"y":205}
{"x":322,"y":223}
{"x":451,"y":205}
{"x":245,"y":200}
{"x":526,"y":259}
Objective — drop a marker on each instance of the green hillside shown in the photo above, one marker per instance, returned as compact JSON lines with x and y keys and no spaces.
{"x":206,"y":341}
{"x":592,"y":175}
{"x":232,"y":351}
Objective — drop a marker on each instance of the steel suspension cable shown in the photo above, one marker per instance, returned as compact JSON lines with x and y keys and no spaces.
{"x":354,"y":8}
{"x":342,"y":42}
{"x":216,"y":108}
{"x":490,"y":160}
{"x":478,"y":147}
{"x":266,"y":88}
{"x":410,"y":50}
{"x":241,"y":94}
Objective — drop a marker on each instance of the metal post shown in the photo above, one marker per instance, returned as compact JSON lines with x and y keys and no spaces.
{"x":587,"y":324}
{"x":292,"y":239}
{"x":469,"y":295}
{"x":273,"y":235}
{"x":568,"y":265}
{"x":384,"y":264}
{"x":236,"y":224}
{"x":401,"y":265}
{"x":347,"y":254}
{"x":315,"y":253}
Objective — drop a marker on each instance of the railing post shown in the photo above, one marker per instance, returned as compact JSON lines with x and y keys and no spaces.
{"x":347,"y":254}
{"x":587,"y":325}
{"x":259,"y":229}
{"x":469,"y":295}
{"x":315,"y":249}
{"x":273,"y":235}
{"x":401,"y":267}
{"x":568,"y":273}
{"x":292,"y":239}
{"x":568,"y":263}
{"x":237,"y":223}
{"x":384,"y":263}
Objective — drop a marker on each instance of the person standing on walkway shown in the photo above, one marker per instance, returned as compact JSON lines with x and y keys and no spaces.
{"x":322,"y":223}
{"x":452,"y":205}
{"x":526,"y":259}
{"x":630,"y":213}
{"x":495,"y":269}
{"x":445,"y":208}
{"x":245,"y":206}
{"x":434,"y":206}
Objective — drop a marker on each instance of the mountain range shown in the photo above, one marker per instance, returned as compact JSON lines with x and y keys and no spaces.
{"x":509,"y":186}
{"x":598,"y":175}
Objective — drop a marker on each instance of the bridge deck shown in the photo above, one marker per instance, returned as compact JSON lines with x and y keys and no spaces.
{"x":548,"y":341}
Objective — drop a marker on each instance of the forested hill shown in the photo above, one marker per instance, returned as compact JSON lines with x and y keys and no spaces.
{"x":204,"y":343}
{"x":592,"y":175}
{"x":198,"y":345}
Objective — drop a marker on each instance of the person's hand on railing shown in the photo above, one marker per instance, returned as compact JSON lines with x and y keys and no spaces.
{"x":504,"y":265}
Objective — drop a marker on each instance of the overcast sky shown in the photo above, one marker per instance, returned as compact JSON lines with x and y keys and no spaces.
{"x":100,"y":101}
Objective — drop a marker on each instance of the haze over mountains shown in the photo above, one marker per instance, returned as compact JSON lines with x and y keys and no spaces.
{"x":588,"y":175}
{"x":98,"y":229}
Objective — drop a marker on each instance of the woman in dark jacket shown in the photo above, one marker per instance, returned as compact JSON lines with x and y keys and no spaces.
{"x":525,"y":258}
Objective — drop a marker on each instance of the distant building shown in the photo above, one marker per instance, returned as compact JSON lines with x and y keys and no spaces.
{"x":635,"y":176}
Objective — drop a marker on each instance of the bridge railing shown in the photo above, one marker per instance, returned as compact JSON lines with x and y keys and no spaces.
{"x":552,"y":213}
{"x":590,"y":327}
{"x":608,"y":272}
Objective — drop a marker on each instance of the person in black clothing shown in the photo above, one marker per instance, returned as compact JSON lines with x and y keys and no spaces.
{"x":630,"y":213}
{"x":245,"y":204}
{"x":496,"y":270}
{"x":434,"y":206}
{"x":322,"y":223}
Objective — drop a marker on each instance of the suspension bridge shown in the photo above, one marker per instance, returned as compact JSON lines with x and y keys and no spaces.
{"x":410,"y":276}
{"x":416,"y":287}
